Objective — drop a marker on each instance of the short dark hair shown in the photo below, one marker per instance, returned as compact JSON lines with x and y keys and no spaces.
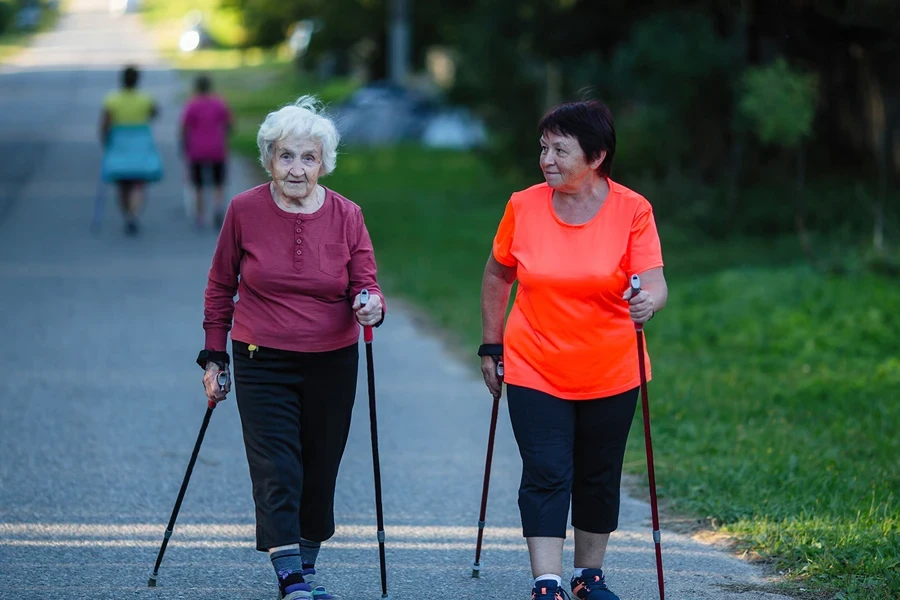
{"x":130,"y":77}
{"x":591,"y":123}
{"x":202,"y":84}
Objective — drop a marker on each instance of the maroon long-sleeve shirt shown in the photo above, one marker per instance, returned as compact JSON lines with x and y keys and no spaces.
{"x":295,"y":275}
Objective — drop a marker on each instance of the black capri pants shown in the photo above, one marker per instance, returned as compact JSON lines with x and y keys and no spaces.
{"x":295,"y":412}
{"x":572,"y":451}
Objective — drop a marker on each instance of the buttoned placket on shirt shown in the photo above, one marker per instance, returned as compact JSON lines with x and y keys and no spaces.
{"x":298,"y":222}
{"x":298,"y":254}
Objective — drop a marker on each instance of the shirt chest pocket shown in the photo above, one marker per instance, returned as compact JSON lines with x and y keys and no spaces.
{"x":333,"y":259}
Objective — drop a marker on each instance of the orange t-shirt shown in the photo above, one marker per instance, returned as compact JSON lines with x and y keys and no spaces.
{"x":569,"y":333}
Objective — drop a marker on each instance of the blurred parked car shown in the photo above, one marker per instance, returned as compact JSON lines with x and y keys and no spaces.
{"x":385,"y":113}
{"x":454,"y":128}
{"x":29,"y":16}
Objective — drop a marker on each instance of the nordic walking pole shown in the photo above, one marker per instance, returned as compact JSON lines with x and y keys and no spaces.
{"x":476,"y":566}
{"x":368,"y":336}
{"x":645,"y":405}
{"x":222,"y":380}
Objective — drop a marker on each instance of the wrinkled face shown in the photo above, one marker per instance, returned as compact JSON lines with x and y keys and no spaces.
{"x":295,"y":166}
{"x":564,"y":164}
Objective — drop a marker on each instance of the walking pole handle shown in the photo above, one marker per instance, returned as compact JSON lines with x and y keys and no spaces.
{"x":635,"y":285}
{"x":222,"y":380}
{"x":368,"y":335}
{"x":635,"y":290}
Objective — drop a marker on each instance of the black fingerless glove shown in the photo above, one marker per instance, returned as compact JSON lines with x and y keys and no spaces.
{"x":220,"y":358}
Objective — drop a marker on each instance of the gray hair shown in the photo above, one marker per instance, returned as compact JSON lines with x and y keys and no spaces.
{"x":303,"y":118}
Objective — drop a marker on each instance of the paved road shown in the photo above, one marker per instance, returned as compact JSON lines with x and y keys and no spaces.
{"x":100,"y":402}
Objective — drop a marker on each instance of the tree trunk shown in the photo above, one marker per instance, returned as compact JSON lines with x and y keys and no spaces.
{"x":399,"y":42}
{"x":553,"y":93}
{"x":755,"y":19}
{"x":800,"y":206}
{"x":885,"y":171}
{"x":747,"y":35}
{"x":735,"y":164}
{"x":880,"y":197}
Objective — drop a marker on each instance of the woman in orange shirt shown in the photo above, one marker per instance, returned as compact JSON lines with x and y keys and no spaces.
{"x":569,"y":348}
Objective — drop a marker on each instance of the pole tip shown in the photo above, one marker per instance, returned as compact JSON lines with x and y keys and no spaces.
{"x":151,"y":582}
{"x":476,"y":570}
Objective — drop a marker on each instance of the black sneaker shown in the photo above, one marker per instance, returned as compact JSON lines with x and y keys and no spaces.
{"x":547,"y":589}
{"x":591,"y":586}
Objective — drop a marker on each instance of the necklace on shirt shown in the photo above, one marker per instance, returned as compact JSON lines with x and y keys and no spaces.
{"x":297,"y":208}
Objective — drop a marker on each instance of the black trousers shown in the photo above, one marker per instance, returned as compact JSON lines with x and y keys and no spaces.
{"x":295,"y":412}
{"x":572,"y":451}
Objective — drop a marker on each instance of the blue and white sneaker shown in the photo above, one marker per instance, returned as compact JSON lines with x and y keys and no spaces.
{"x":592,"y":586}
{"x":318,"y":587}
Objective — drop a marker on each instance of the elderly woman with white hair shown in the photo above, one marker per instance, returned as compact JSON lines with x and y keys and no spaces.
{"x":298,"y":255}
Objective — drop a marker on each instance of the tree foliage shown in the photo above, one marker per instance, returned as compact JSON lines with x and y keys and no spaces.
{"x":781,"y":103}
{"x":698,"y":92}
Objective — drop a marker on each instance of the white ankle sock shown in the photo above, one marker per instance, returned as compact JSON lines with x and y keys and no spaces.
{"x":577,"y":572}
{"x":555,"y":578}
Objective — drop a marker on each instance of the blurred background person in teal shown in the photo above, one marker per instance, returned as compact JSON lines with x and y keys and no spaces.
{"x":130,"y":157}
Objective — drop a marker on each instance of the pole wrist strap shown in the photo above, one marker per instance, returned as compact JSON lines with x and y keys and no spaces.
{"x":493,"y":350}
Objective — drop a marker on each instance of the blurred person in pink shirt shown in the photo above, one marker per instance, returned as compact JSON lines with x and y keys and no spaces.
{"x":205,"y":125}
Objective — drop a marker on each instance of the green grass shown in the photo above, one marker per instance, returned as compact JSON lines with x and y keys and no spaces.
{"x":12,"y":43}
{"x":775,"y":413}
